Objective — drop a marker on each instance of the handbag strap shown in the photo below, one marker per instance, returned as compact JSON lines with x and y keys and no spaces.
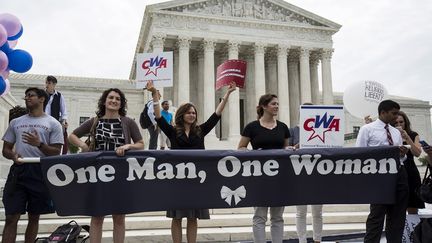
{"x":426,"y":173}
{"x":93,"y":127}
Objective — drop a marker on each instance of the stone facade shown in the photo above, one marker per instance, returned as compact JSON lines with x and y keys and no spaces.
{"x":283,"y":44}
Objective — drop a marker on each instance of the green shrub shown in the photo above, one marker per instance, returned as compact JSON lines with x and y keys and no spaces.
{"x":423,"y":160}
{"x":72,"y":148}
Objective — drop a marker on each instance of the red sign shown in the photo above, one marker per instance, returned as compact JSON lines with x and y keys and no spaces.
{"x":231,"y":71}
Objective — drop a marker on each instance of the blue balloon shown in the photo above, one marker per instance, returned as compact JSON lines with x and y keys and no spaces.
{"x":20,"y":61}
{"x":15,"y":37}
{"x":2,"y":85}
{"x":5,"y":48}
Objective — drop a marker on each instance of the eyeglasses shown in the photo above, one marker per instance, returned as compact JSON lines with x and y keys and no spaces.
{"x":29,"y":95}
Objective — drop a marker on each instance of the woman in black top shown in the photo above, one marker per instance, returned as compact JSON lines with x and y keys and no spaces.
{"x":187,"y":134}
{"x":266,"y":133}
{"x":411,"y":138}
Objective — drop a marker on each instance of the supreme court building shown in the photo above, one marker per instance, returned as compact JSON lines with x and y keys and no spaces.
{"x":282,"y":44}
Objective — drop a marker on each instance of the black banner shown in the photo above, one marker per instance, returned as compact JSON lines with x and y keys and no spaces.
{"x":101,"y":183}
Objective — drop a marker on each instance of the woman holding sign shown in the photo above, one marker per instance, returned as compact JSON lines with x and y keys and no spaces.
{"x":113,"y":131}
{"x":266,"y":133}
{"x":187,"y":134}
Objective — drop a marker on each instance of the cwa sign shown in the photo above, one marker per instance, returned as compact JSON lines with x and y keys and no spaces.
{"x":156,"y":67}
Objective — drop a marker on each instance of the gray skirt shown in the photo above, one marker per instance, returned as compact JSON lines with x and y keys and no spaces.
{"x":189,"y":213}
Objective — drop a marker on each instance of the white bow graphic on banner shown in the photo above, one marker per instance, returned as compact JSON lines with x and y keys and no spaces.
{"x":238,"y":193}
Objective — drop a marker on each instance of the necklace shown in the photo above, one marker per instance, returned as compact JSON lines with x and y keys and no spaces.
{"x":267,"y":125}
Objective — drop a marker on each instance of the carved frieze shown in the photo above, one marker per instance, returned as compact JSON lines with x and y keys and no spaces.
{"x":166,"y":21}
{"x":251,"y":9}
{"x":179,"y":22}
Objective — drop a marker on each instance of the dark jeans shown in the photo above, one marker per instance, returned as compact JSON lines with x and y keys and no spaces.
{"x":395,"y":214}
{"x":153,"y":137}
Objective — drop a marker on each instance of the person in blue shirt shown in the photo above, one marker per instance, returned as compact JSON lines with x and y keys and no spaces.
{"x":167,"y":115}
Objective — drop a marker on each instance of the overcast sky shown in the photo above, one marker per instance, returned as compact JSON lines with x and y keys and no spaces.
{"x":383,"y":40}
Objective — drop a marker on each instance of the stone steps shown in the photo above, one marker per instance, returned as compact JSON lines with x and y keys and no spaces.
{"x":247,"y":210}
{"x":162,"y":222}
{"x":221,"y":234}
{"x":225,"y":225}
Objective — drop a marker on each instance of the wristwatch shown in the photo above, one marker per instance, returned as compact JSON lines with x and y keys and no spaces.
{"x":40,"y":145}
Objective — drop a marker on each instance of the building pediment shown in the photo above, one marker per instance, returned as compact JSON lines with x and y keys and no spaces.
{"x":277,"y":11}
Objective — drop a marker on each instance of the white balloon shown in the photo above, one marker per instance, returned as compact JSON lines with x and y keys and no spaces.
{"x":362,"y":98}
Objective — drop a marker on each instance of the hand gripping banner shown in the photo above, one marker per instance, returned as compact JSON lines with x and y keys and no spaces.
{"x":101,"y":183}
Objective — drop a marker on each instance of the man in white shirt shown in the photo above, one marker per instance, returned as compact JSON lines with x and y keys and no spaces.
{"x":56,"y":107}
{"x":380,"y":133}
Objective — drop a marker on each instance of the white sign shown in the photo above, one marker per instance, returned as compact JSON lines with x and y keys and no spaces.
{"x":321,"y":126}
{"x":156,"y":67}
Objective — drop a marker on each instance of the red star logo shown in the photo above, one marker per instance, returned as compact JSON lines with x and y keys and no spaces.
{"x":154,"y":72}
{"x":318,"y":132}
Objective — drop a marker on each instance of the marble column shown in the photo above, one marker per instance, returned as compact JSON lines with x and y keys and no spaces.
{"x":271,"y":73}
{"x":327,"y":88}
{"x":283,"y":86}
{"x":294,"y":87}
{"x":313,"y":65}
{"x":305,"y":82}
{"x":175,"y":77}
{"x":200,"y":84}
{"x":250,"y":103}
{"x":260,"y":82}
{"x":157,"y":47}
{"x":183,"y":82}
{"x":234,"y":100}
{"x":193,"y":77}
{"x":222,"y":127}
{"x":209,"y":80}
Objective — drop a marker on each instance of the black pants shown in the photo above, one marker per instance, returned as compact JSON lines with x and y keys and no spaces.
{"x":153,"y":137}
{"x":395,"y":214}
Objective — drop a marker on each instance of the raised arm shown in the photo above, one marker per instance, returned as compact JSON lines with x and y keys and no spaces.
{"x":155,"y":96}
{"x":224,"y":100}
{"x":428,"y":151}
{"x":415,"y":146}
